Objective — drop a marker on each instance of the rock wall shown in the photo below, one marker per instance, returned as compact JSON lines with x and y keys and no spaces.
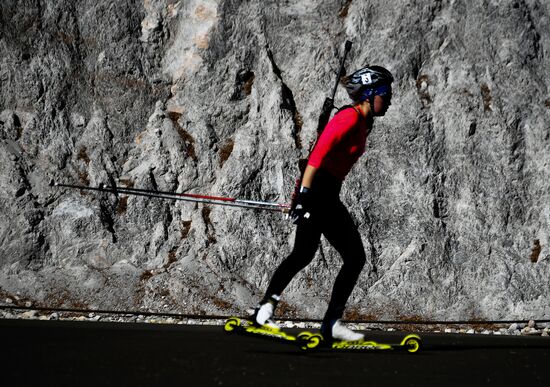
{"x":222,"y":97}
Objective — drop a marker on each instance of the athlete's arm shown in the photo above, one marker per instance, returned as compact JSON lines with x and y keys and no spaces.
{"x":301,"y":204}
{"x":309,"y":173}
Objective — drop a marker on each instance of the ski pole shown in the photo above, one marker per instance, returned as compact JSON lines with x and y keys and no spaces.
{"x":198,"y":196}
{"x":224,"y":201}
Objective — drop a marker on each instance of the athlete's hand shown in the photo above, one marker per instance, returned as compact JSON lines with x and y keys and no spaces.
{"x":300,"y":210}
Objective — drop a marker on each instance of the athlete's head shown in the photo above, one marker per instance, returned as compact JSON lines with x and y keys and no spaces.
{"x":372,"y":83}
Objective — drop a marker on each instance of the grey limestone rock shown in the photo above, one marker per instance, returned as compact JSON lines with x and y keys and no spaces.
{"x":221,"y":97}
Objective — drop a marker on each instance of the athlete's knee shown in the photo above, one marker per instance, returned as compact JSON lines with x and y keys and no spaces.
{"x":297,"y":260}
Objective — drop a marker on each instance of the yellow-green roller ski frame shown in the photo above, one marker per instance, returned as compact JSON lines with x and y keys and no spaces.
{"x":244,"y":326}
{"x":410,"y":343}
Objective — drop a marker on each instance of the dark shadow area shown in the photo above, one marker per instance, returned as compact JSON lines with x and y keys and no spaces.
{"x":64,"y":353}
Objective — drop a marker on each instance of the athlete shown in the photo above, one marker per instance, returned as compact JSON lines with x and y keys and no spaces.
{"x":317,"y":210}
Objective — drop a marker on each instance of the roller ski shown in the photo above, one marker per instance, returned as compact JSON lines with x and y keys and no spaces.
{"x":250,"y":327}
{"x":304,"y":340}
{"x":339,"y":338}
{"x":410,"y":343}
{"x":260,"y":324}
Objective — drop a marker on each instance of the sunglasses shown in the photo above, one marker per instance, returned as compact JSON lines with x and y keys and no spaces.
{"x":383,"y":91}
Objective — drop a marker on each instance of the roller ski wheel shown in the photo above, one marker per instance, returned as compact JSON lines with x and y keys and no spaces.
{"x":412,"y":343}
{"x":309,"y":340}
{"x":231,"y":324}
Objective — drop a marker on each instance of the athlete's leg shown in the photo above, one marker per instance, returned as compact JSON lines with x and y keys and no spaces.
{"x":306,"y":242}
{"x":342,"y":233}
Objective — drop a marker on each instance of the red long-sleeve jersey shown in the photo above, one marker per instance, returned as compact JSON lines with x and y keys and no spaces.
{"x":341,"y":143}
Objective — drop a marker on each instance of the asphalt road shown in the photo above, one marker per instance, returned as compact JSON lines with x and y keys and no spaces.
{"x":62,"y":353}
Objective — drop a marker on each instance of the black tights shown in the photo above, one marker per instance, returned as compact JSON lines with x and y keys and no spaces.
{"x":329,"y":217}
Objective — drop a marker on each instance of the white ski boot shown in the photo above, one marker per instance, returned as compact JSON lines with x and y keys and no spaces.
{"x":339,"y":331}
{"x":262,"y":315}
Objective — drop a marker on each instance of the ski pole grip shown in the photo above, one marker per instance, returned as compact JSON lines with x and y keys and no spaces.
{"x":347,"y":46}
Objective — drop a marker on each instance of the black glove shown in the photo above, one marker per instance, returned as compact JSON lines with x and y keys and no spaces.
{"x":301,"y":208}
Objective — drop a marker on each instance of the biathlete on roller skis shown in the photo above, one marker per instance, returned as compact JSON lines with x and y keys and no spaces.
{"x":317,"y":209}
